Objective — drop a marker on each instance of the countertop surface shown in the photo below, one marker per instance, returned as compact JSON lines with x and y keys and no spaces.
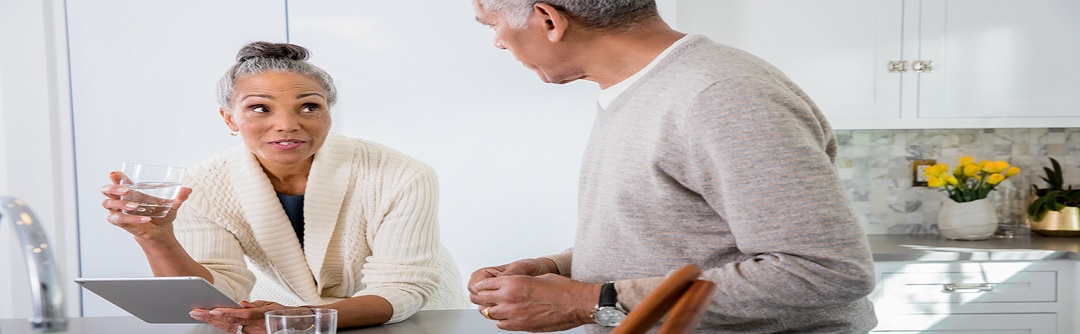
{"x":424,"y":322}
{"x":922,"y":248}
{"x":933,"y":248}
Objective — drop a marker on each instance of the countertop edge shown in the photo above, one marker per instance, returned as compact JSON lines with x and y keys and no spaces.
{"x":933,"y":248}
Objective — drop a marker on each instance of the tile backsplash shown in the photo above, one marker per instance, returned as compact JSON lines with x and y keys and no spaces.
{"x":875,"y":166}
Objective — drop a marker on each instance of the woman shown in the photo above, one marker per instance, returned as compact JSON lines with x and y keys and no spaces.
{"x":323,"y":219}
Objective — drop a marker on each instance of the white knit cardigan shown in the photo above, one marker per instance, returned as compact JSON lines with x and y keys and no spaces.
{"x":370,"y":228}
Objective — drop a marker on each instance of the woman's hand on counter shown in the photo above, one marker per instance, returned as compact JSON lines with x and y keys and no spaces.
{"x":229,"y":319}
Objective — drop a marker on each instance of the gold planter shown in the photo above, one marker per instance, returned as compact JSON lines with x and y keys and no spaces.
{"x":1064,"y":223}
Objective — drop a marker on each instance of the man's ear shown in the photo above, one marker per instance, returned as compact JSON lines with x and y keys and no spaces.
{"x":555,"y":21}
{"x":227,"y":116}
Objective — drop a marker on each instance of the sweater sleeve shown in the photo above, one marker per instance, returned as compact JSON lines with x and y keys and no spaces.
{"x":563,"y":261}
{"x":402,"y":268}
{"x":759,"y":155}
{"x":211,"y":244}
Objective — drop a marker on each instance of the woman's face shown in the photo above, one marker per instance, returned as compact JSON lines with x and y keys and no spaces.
{"x":282,"y":117}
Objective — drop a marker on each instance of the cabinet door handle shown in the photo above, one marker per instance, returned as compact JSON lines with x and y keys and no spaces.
{"x":967,"y":287}
{"x":920,"y":66}
{"x":896,"y":66}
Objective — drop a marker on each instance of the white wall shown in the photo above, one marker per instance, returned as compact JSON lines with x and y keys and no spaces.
{"x":35,"y":137}
{"x":8,"y":252}
{"x":144,"y":75}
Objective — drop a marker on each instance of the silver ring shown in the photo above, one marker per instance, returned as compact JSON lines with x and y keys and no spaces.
{"x":239,"y":329}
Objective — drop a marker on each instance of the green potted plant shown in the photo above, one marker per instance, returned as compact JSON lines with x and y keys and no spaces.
{"x":1055,"y":211}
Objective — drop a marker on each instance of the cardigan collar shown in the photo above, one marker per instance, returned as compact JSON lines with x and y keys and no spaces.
{"x":271,"y":226}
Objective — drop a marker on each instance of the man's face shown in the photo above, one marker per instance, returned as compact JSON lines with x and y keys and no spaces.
{"x":530,"y":44}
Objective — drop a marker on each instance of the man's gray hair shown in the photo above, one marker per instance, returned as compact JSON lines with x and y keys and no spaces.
{"x":261,"y":57}
{"x":597,"y":14}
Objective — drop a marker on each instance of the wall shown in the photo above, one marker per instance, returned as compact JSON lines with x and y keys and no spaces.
{"x":876,"y":169}
{"x":148,"y":95}
{"x":35,"y":137}
{"x":8,"y":249}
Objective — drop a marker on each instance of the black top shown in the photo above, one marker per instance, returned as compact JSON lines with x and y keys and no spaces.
{"x":294,"y":208}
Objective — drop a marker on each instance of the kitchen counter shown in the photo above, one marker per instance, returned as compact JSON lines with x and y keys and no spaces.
{"x":919,"y":248}
{"x":424,"y":322}
{"x":933,"y":248}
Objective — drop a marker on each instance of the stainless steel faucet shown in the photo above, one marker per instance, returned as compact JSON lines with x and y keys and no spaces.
{"x":45,"y":287}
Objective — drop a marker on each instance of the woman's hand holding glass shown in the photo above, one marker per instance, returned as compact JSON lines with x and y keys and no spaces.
{"x":143,"y":227}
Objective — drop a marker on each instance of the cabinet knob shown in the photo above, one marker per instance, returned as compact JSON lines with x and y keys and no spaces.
{"x":967,"y":287}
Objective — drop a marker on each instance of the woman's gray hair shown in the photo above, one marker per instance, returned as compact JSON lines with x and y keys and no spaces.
{"x":597,"y":14}
{"x":260,"y":57}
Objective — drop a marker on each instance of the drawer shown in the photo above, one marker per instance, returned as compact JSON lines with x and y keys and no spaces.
{"x":1031,"y":323}
{"x":968,"y":287}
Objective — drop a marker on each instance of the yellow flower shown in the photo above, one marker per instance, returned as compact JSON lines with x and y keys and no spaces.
{"x":971,"y":170}
{"x":936,"y":170}
{"x":970,"y":180}
{"x":935,"y":182}
{"x":952,"y":181}
{"x":1012,"y":171}
{"x":967,"y":160}
{"x":995,"y":166}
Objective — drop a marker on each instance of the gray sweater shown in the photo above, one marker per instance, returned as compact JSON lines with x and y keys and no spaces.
{"x":716,"y":158}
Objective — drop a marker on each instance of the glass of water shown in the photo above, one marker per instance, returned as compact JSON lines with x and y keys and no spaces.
{"x":153,"y":187}
{"x":302,"y":321}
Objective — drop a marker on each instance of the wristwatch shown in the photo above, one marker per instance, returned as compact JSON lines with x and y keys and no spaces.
{"x":608,"y":313}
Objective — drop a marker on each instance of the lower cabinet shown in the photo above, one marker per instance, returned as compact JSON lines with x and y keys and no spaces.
{"x":1040,"y":323}
{"x":986,"y":297}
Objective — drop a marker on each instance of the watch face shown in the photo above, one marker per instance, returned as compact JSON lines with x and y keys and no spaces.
{"x":609,"y":316}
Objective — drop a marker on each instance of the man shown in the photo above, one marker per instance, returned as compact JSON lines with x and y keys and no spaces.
{"x":700,"y":153}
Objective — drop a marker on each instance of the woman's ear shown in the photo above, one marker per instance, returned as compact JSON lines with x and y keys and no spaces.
{"x":227,"y":116}
{"x":555,"y":21}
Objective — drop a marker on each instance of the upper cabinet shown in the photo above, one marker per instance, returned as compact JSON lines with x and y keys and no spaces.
{"x":912,"y":63}
{"x":1000,"y":59}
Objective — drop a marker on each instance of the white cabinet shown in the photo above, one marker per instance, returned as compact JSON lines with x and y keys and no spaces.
{"x":958,"y":63}
{"x":834,"y":49}
{"x":1072,"y":292}
{"x":975,"y":297}
{"x":1000,"y":59}
{"x":143,"y":82}
{"x":968,"y":324}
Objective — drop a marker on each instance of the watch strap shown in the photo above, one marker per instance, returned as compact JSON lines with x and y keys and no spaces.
{"x":608,"y":295}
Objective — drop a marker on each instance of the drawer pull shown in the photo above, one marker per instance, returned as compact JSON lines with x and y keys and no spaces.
{"x":967,"y":288}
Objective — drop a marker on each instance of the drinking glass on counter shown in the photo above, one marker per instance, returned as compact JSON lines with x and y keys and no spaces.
{"x":1011,"y":201}
{"x":153,"y":187}
{"x":302,"y":320}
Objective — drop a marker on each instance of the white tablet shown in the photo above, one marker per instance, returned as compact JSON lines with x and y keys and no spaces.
{"x":159,"y":299}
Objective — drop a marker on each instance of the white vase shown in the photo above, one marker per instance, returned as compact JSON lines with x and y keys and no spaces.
{"x":975,"y":220}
